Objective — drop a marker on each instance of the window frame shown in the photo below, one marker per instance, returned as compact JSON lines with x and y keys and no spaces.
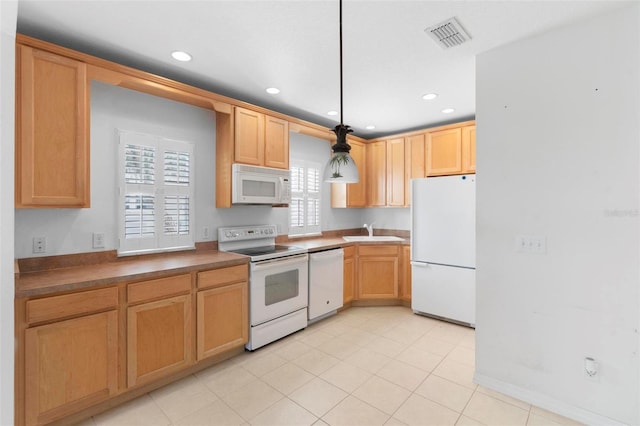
{"x":305,"y":195}
{"x":160,"y":241}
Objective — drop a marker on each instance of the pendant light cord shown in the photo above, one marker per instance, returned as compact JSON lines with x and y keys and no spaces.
{"x":341,"y":108}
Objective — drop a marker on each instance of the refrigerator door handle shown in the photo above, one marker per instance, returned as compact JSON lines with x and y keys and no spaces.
{"x":421,"y":264}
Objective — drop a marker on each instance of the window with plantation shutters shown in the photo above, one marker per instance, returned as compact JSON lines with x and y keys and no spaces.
{"x":156,"y":194}
{"x":304,"y":207}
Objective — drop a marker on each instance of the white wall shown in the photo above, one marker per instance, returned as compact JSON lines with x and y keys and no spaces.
{"x":70,"y":230}
{"x":308,"y":148}
{"x":8,"y":16}
{"x":558,"y":156}
{"x":388,"y":218}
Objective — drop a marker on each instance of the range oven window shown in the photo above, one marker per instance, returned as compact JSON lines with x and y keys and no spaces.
{"x":281,"y":286}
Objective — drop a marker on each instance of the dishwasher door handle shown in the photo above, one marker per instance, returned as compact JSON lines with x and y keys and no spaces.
{"x":328,"y":254}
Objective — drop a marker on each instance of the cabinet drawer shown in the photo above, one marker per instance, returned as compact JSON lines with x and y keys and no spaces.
{"x":68,"y":305}
{"x":223,"y":276}
{"x":377,"y":250}
{"x":349,"y":251}
{"x":159,"y":288}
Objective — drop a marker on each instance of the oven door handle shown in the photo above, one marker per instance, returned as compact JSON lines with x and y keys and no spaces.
{"x":281,"y":261}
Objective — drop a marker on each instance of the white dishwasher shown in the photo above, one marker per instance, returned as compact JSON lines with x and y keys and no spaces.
{"x":325,"y":282}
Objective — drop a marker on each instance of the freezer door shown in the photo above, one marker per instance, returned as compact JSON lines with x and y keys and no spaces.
{"x":443,"y":215}
{"x":444,"y":291}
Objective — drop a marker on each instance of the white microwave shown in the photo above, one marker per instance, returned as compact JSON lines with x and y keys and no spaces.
{"x":260,"y":185}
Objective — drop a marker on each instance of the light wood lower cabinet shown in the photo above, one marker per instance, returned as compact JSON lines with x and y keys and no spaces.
{"x":159,"y":330}
{"x":404,"y":292}
{"x":70,"y":364}
{"x":222,"y":311}
{"x":377,"y":272}
{"x":349,"y":274}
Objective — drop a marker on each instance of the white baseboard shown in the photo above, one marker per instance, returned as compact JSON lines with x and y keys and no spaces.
{"x":544,"y":401}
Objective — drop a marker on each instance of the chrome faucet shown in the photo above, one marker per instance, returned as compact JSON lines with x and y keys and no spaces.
{"x":369,"y":228}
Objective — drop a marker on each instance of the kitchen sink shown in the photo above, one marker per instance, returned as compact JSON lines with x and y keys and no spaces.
{"x":364,"y":238}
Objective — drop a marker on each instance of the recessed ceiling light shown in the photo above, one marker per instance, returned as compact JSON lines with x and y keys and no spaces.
{"x":370,"y":127}
{"x":332,"y":113}
{"x":448,"y":110}
{"x":181,"y":56}
{"x":273,"y":90}
{"x":430,"y":96}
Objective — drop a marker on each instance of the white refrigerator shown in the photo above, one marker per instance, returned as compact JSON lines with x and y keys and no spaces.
{"x":443,"y":247}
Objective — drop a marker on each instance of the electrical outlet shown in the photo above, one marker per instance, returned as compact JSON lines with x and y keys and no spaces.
{"x":536,"y":244}
{"x":591,"y":369}
{"x":98,"y":240}
{"x":206,"y":233}
{"x":40,"y":244}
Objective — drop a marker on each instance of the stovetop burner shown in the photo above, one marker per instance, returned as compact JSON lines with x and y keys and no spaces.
{"x":258,"y":242}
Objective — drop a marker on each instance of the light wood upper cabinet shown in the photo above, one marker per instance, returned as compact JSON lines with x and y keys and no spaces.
{"x":469,"y":149}
{"x":69,"y":364}
{"x":249,"y":137}
{"x":395,"y":172}
{"x":357,"y":192}
{"x":159,"y":332}
{"x":222,"y":311}
{"x":260,"y":140}
{"x":52,"y":130}
{"x":352,"y":194}
{"x":276,"y":143}
{"x":376,"y":173}
{"x":378,"y":271}
{"x":415,"y":158}
{"x":444,"y":152}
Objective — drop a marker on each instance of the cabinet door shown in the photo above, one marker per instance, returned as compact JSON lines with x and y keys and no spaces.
{"x":223,"y":319}
{"x":376,"y":173}
{"x":352,"y":194}
{"x":52,"y":132}
{"x":415,"y":159}
{"x":357,"y":192}
{"x":276,"y":143}
{"x":249,"y":137}
{"x":349,"y":275}
{"x":377,"y":271}
{"x":158,"y":338}
{"x":377,"y":277}
{"x":395,"y":172}
{"x":70,"y":365}
{"x":405,"y":280}
{"x":469,"y":149}
{"x":444,"y":152}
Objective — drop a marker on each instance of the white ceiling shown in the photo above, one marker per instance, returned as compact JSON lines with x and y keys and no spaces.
{"x":242,"y":47}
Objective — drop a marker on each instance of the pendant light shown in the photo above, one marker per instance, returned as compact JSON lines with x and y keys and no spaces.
{"x":341,"y":168}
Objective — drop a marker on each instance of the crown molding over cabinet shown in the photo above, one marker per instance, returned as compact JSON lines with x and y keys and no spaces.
{"x":245,"y":133}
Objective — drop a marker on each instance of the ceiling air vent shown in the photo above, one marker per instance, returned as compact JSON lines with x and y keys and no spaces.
{"x":448,"y":33}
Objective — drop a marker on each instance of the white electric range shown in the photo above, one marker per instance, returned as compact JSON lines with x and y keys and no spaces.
{"x":278,"y":281}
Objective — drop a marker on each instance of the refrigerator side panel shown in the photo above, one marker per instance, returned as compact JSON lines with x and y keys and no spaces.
{"x":443,"y":220}
{"x":444,"y":291}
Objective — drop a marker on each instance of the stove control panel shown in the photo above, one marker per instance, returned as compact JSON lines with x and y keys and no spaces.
{"x":242,"y":233}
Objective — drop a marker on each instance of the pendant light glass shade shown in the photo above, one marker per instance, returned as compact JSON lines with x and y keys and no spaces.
{"x":341,"y":168}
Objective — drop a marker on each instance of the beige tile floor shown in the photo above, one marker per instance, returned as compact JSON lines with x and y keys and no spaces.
{"x":364,"y":366}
